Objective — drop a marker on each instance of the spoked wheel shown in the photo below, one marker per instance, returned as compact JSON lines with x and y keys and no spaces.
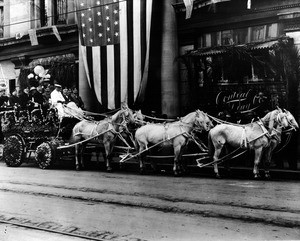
{"x":14,"y":150}
{"x":45,"y":155}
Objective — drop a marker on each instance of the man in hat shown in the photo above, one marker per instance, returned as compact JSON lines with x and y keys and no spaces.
{"x":57,"y":100}
{"x":24,"y":98}
{"x":56,"y":95}
{"x":14,"y":99}
{"x":35,"y":96}
{"x":3,"y":99}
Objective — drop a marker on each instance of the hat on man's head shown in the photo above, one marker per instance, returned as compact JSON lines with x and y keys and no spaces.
{"x":32,"y":88}
{"x":57,"y":85}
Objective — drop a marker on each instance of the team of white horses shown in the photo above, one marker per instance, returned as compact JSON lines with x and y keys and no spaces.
{"x":262,"y":136}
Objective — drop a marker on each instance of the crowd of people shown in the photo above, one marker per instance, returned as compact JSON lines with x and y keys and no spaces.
{"x":40,"y":97}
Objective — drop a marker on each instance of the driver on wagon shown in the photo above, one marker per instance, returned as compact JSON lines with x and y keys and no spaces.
{"x":57,"y":99}
{"x":64,"y":110}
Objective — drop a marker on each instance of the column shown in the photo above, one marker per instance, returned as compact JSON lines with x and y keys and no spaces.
{"x":169,"y":63}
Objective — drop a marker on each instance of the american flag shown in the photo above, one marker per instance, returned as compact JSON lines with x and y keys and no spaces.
{"x":115,"y":38}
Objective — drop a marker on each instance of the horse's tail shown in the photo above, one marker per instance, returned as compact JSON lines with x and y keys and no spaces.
{"x":210,"y":145}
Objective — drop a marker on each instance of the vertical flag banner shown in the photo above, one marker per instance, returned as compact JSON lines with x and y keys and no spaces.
{"x":189,"y":8}
{"x":248,"y":4}
{"x":115,"y":37}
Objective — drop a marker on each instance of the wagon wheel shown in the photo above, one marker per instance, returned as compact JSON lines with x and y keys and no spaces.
{"x":14,"y":150}
{"x":45,"y":155}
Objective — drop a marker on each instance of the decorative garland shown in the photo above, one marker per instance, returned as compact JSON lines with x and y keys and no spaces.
{"x":45,"y":154}
{"x":13,"y":151}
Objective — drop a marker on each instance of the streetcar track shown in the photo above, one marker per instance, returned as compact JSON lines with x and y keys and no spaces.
{"x":160,"y":197}
{"x":167,"y":208}
{"x":73,"y":231}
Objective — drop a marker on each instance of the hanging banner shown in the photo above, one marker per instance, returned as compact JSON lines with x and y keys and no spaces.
{"x":33,"y":37}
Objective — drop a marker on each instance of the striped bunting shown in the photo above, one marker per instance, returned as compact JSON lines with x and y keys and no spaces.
{"x":115,"y":37}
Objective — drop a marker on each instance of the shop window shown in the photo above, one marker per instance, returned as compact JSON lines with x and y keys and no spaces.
{"x":216,"y":39}
{"x":272,"y":30}
{"x":226,"y":37}
{"x":240,"y":36}
{"x":258,"y":33}
{"x":207,"y":40}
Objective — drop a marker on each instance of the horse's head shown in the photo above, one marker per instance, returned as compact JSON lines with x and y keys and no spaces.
{"x":202,"y":121}
{"x":123,"y":117}
{"x":138,"y":117}
{"x":282,"y":119}
{"x":291,"y":120}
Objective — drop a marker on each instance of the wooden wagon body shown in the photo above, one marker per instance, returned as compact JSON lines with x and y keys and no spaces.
{"x":23,"y":132}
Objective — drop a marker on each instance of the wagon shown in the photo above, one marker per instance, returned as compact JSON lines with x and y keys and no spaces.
{"x":23,"y":131}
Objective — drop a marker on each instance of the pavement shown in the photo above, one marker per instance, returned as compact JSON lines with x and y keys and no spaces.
{"x":240,"y":168}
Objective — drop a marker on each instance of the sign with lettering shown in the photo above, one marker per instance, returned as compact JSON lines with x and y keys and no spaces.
{"x":240,"y":102}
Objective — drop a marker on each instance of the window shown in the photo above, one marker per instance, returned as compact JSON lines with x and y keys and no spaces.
{"x":216,"y":39}
{"x":258,"y":33}
{"x":272,"y":30}
{"x":1,"y":22}
{"x":240,"y":36}
{"x":60,"y":11}
{"x":207,"y":40}
{"x":226,"y":37}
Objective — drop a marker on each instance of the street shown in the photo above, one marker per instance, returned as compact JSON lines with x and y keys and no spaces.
{"x":64,"y":204}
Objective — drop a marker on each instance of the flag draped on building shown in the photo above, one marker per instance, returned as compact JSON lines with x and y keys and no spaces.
{"x":115,"y":40}
{"x":189,"y":8}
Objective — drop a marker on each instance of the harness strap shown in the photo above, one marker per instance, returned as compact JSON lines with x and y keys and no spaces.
{"x":244,"y":141}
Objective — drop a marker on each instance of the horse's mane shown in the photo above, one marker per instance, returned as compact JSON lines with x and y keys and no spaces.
{"x":270,"y":119}
{"x":188,"y":116}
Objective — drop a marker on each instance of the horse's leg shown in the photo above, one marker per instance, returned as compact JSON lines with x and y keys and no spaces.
{"x":82,"y":149}
{"x":177,"y":158}
{"x":77,"y":166}
{"x":97,"y":151}
{"x":108,"y":145}
{"x":257,"y":157}
{"x":216,"y":157}
{"x":141,"y":157}
{"x":268,"y":157}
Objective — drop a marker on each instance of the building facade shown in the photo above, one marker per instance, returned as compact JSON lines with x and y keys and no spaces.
{"x":37,"y":32}
{"x":240,"y":59}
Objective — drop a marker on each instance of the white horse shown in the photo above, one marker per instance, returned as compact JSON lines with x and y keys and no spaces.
{"x":254,"y":136}
{"x":275,"y":140}
{"x":175,"y":134}
{"x":100,"y":132}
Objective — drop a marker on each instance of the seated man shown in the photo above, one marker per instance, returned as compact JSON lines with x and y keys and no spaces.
{"x":57,"y":100}
{"x":63,"y":109}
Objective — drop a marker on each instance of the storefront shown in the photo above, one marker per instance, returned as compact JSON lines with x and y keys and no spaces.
{"x":238,"y":63}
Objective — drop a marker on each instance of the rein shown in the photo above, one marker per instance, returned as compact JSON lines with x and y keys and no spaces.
{"x":219,"y":121}
{"x":106,"y":114}
{"x":86,"y":140}
{"x":158,"y":143}
{"x":160,"y":119}
{"x":286,"y":143}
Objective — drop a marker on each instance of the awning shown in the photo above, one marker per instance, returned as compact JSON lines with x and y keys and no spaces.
{"x":219,"y":50}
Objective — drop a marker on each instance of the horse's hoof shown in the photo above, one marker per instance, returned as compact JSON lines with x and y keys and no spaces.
{"x":109,"y":169}
{"x":256,"y":177}
{"x":267,"y":176}
{"x":218,"y":176}
{"x":77,"y":168}
{"x":142,"y":171}
{"x":177,"y":174}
